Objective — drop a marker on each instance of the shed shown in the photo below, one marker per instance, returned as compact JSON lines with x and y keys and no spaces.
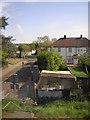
{"x":51,"y":83}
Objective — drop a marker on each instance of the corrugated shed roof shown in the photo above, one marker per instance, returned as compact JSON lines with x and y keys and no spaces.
{"x":59,"y":74}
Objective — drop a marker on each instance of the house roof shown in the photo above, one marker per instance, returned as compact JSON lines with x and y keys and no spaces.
{"x":72,"y":42}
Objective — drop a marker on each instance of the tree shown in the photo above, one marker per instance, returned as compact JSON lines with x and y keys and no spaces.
{"x":85,"y":61}
{"x":7,"y":49}
{"x":42,"y":60}
{"x":20,"y":48}
{"x":40,"y":43}
{"x":8,"y":46}
{"x":26,"y":48}
{"x":44,"y":41}
{"x":54,"y":60}
{"x":32,"y":46}
{"x":3,"y":56}
{"x":3,"y":22}
{"x":49,"y":60}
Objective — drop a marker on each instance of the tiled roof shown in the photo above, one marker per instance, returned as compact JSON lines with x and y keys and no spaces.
{"x":71,"y":42}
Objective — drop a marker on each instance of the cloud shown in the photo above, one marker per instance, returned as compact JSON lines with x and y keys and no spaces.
{"x":2,"y":7}
{"x":20,"y":28}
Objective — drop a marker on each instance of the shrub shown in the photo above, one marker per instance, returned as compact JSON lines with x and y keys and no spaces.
{"x":49,"y":60}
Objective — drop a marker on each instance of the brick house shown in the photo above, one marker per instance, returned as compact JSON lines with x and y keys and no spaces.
{"x":71,"y":48}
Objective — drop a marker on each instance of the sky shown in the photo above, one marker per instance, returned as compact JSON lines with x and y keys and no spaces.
{"x":29,"y":20}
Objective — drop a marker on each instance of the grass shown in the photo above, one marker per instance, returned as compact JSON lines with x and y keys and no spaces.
{"x":0,"y":108}
{"x":13,"y":61}
{"x":78,"y":71}
{"x":57,"y":108}
{"x":63,"y":108}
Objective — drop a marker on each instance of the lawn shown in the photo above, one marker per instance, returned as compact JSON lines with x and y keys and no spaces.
{"x":57,"y":108}
{"x":78,"y":71}
{"x":13,"y":61}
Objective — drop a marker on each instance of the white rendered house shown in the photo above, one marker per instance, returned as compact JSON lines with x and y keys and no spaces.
{"x":70,"y":48}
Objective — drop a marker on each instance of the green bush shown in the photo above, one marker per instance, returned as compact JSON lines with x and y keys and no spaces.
{"x":49,"y":60}
{"x":63,"y":66}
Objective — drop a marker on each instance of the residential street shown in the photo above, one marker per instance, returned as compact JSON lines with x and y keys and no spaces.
{"x":24,"y":76}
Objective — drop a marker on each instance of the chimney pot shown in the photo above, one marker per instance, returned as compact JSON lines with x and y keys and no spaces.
{"x":80,"y":36}
{"x":64,"y":36}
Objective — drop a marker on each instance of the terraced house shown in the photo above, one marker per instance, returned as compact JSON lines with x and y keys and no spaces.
{"x":71,"y":48}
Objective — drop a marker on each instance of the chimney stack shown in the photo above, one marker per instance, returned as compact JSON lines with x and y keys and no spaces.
{"x":80,"y":36}
{"x":64,"y":36}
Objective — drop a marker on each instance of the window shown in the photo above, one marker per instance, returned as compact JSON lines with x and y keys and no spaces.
{"x":69,"y":59}
{"x":86,"y":49}
{"x":70,"y":49}
{"x":59,"y":49}
{"x":78,"y":49}
{"x":75,"y":50}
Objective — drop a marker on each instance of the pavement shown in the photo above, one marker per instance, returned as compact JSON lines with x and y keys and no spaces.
{"x":11,"y":69}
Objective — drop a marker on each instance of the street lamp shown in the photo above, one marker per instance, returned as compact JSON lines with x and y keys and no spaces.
{"x":14,"y":84}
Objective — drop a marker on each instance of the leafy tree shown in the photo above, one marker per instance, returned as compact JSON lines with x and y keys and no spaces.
{"x":3,"y":57}
{"x":43,"y":59}
{"x":54,"y":60}
{"x":85,"y":61}
{"x":32,"y":46}
{"x":8,"y":46}
{"x":20,"y":48}
{"x":40,"y":43}
{"x":3,"y":22}
{"x":8,"y":49}
{"x":49,"y":60}
{"x":44,"y":41}
{"x":26,"y":48}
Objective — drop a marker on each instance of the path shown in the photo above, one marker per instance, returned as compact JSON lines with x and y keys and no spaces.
{"x":11,"y":69}
{"x":18,"y":114}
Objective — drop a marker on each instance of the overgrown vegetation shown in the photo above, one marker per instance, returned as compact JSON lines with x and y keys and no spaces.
{"x":78,"y":71}
{"x":57,"y":108}
{"x":50,"y":60}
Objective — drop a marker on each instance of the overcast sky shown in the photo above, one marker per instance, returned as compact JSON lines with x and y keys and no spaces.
{"x":29,"y":20}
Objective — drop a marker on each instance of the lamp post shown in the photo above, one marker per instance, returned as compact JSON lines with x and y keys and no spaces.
{"x":14,"y":84}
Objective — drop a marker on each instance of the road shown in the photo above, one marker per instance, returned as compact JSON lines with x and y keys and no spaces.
{"x":25,"y":80}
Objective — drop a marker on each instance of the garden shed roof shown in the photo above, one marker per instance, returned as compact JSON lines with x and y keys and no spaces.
{"x":60,"y":74}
